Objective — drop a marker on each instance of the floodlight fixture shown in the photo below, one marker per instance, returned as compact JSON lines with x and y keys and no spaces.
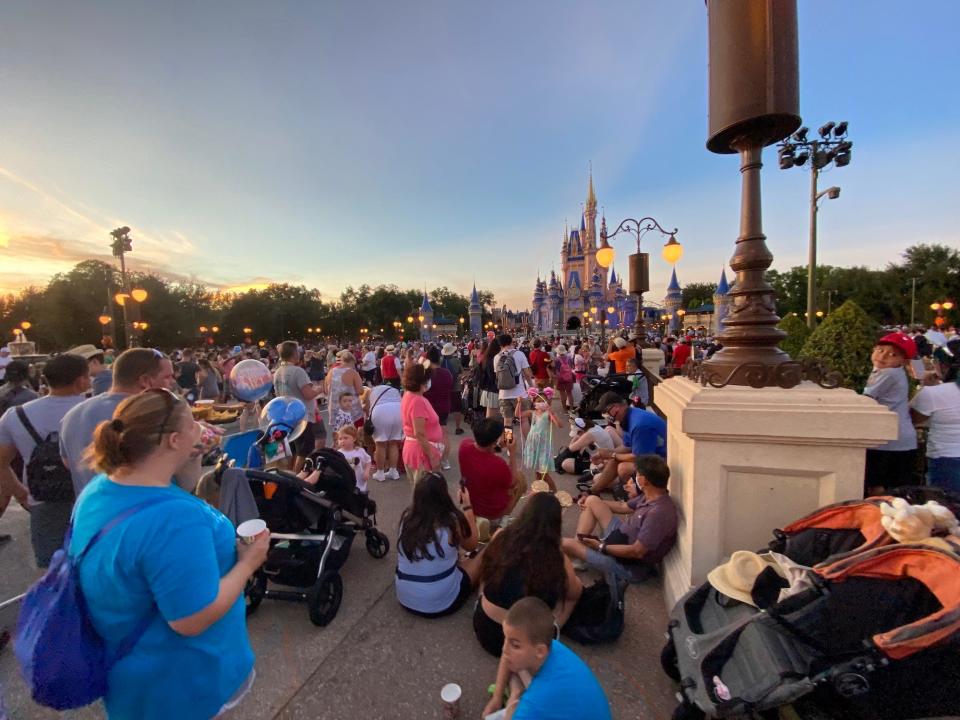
{"x":801,"y":134}
{"x":826,"y":129}
{"x":841,"y":129}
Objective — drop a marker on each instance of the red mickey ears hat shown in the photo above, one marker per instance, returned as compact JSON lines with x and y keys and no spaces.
{"x":905,"y":344}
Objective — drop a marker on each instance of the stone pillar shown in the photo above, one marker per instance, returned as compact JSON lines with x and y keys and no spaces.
{"x":744,"y":461}
{"x":653,"y":360}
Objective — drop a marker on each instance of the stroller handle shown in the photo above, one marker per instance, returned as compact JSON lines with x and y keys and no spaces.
{"x":278,"y":476}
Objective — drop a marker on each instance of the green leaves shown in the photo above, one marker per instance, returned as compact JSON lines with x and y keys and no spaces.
{"x":845,"y":340}
{"x":797,"y":334}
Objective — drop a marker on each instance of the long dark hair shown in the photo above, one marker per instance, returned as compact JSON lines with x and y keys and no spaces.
{"x":490,"y":352}
{"x":432,"y":508}
{"x":532,"y":545}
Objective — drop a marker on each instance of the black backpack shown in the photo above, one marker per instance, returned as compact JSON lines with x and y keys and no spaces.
{"x":48,"y":479}
{"x":598,"y":616}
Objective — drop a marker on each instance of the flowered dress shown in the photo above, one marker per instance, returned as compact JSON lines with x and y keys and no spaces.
{"x":538,"y":450}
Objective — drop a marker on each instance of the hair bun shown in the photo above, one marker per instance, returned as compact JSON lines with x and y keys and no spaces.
{"x":117,"y":425}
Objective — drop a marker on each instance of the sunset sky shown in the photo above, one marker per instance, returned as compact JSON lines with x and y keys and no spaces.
{"x":434,"y":143}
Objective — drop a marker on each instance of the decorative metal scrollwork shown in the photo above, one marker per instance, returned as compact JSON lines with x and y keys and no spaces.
{"x":785,"y":375}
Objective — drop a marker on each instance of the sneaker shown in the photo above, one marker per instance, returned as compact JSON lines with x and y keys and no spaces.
{"x":379,"y":476}
{"x":393,"y":474}
{"x":444,"y":465}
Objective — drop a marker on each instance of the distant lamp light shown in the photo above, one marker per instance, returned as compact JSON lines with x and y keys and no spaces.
{"x":611,"y":310}
{"x":138,"y":294}
{"x":409,"y":318}
{"x":105,"y":318}
{"x":462,"y":321}
{"x":605,"y":253}
{"x":672,"y":250}
{"x":819,"y":313}
{"x":935,"y":306}
{"x":247,"y":331}
{"x":26,"y":325}
{"x":262,"y":343}
{"x":203,"y":328}
{"x":120,"y":298}
{"x":420,"y":318}
{"x":947,"y":305}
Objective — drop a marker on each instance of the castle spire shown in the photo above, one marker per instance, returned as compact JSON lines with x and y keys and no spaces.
{"x":591,"y":196}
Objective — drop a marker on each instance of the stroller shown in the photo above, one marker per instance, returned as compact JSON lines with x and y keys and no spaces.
{"x":312,"y":528}
{"x":594,"y":388}
{"x":875,"y":635}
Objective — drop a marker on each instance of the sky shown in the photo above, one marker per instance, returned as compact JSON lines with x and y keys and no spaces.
{"x":443,"y":143}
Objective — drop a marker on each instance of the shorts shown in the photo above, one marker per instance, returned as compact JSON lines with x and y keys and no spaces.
{"x":488,"y":632}
{"x":387,"y":424}
{"x":304,"y":444}
{"x":455,"y":402}
{"x":508,"y":408}
{"x":489,"y":399}
{"x":442,"y":419}
{"x":466,"y":588}
{"x":48,"y":525}
{"x":609,"y":565}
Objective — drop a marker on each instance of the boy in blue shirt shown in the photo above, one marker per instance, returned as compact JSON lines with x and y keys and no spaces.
{"x":547,"y":680}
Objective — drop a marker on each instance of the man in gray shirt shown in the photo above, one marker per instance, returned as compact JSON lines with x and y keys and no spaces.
{"x":291,"y":380}
{"x":68,"y":379}
{"x":134,"y":370}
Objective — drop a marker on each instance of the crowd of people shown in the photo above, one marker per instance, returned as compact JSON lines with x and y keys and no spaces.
{"x":93,"y":438}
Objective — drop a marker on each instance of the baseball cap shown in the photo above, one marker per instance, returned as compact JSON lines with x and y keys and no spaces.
{"x":899,"y":340}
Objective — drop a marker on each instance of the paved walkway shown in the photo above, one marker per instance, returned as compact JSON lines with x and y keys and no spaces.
{"x":375,"y":660}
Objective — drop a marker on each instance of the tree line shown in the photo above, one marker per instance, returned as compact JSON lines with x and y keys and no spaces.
{"x":67,"y":311}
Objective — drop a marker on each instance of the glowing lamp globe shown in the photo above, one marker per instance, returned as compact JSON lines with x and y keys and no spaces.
{"x":120,"y":298}
{"x":672,"y":251}
{"x":605,"y":255}
{"x":26,"y":325}
{"x":104,"y":319}
{"x":138,"y":294}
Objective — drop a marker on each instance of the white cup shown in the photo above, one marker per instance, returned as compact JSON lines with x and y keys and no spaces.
{"x":450,"y":694}
{"x":248,"y":530}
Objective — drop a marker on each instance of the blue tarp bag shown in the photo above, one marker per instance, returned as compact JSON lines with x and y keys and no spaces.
{"x":62,"y":657}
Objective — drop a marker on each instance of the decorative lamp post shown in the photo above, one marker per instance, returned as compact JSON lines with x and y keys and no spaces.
{"x":832,"y":147}
{"x":462,"y":320}
{"x":939,"y":307}
{"x":639,"y":262}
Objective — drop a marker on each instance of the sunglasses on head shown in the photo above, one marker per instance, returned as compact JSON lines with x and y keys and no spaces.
{"x":172,"y":401}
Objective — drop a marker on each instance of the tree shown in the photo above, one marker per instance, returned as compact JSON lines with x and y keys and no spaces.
{"x":797,"y":334}
{"x":844,"y":341}
{"x":697,"y":294}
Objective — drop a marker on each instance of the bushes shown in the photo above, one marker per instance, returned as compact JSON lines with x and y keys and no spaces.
{"x":797,"y":334}
{"x":844,"y":342}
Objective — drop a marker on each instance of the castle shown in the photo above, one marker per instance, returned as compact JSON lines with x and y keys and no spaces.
{"x":583,"y":286}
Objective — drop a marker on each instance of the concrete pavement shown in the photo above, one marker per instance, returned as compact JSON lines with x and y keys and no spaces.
{"x":374,"y":660}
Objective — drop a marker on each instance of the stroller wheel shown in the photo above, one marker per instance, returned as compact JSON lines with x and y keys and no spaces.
{"x":323,"y":599}
{"x":254,"y":591}
{"x":378,"y":544}
{"x":688,"y":711}
{"x":668,"y":661}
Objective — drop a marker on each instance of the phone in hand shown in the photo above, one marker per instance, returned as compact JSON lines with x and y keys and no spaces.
{"x":508,"y":435}
{"x":587,"y":536}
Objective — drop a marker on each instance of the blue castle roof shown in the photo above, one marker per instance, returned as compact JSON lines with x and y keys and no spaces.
{"x":613,"y":276}
{"x":425,"y":305}
{"x":722,"y":287}
{"x":475,"y":297}
{"x":674,"y":283}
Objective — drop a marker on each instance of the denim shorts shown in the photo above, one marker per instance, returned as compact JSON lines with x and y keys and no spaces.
{"x":607,"y":564}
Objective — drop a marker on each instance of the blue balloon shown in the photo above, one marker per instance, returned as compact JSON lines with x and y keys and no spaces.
{"x":284,"y":414}
{"x":250,"y":380}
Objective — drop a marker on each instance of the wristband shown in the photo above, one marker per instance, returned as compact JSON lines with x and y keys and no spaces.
{"x":603,"y":548}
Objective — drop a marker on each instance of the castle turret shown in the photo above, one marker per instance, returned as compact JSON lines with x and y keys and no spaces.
{"x":475,"y":311}
{"x":589,"y":219}
{"x":673,"y":302}
{"x":721,"y":302}
{"x":426,"y":327}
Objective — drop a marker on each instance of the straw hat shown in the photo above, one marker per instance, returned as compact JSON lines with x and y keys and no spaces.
{"x":390,"y":348}
{"x":85,"y":351}
{"x":736,"y":577}
{"x":448,"y":349}
{"x":619,"y":342}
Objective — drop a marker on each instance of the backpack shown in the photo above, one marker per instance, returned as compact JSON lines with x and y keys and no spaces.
{"x":598,"y":616}
{"x":48,"y":479}
{"x":564,"y":371}
{"x":61,"y":656}
{"x":508,"y":377}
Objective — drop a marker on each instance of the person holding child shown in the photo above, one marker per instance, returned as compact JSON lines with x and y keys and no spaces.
{"x":544,"y":678}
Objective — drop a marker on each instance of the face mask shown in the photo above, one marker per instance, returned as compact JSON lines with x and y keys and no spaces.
{"x":426,"y":387}
{"x":540,"y":406}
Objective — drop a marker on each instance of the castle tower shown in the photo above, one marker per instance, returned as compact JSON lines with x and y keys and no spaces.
{"x":614,"y":299}
{"x":554,"y":302}
{"x":589,"y":220}
{"x":721,"y":302}
{"x":476,"y":310}
{"x":673,"y":302}
{"x":426,"y":328}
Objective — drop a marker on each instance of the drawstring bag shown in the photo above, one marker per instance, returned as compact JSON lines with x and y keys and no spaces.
{"x":62,"y":657}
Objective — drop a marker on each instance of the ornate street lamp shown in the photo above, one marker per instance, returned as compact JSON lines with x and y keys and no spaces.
{"x":138,"y":294}
{"x":939,"y":307}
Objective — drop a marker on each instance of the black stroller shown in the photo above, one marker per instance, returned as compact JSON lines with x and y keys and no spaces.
{"x":311,"y":531}
{"x":595,"y":386}
{"x":876,"y":634}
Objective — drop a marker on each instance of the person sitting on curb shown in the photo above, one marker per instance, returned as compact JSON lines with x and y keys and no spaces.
{"x":545,"y":678}
{"x":492,"y":483}
{"x":630,"y":547}
{"x":643,"y":433}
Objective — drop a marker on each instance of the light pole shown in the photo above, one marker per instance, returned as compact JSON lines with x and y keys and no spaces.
{"x":639,"y":262}
{"x":832,"y":147}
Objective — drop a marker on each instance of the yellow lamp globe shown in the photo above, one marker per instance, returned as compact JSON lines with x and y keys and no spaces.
{"x":138,"y":294}
{"x":672,"y":251}
{"x":605,"y":255}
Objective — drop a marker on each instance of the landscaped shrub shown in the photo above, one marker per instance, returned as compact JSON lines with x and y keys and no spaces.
{"x":797,"y":334}
{"x":844,"y":341}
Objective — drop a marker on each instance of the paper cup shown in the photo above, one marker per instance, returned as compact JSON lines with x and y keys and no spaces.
{"x":248,"y":531}
{"x":450,"y":695}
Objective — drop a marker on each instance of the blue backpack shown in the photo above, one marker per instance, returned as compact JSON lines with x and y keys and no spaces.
{"x":62,"y":657}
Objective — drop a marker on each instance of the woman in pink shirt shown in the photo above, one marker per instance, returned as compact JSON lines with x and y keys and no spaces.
{"x":423,"y":435}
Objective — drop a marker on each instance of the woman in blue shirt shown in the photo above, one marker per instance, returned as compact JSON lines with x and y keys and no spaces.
{"x":175,"y":565}
{"x":432,"y":580}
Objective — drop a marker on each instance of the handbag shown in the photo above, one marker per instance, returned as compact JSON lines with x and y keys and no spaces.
{"x":368,"y":427}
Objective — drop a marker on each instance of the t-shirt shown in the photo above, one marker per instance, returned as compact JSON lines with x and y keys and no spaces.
{"x":359,"y":460}
{"x":438,"y":594}
{"x":13,"y":396}
{"x":941,"y":403}
{"x":890,"y":387}
{"x":44,"y":414}
{"x":287,"y":381}
{"x":76,"y":433}
{"x":488,"y":478}
{"x":188,"y":374}
{"x":520,"y":390}
{"x":101,"y":382}
{"x":620,"y":357}
{"x":564,"y":689}
{"x":167,"y":562}
{"x":414,"y":406}
{"x":644,"y":432}
{"x":369,"y":361}
{"x":681,"y":353}
{"x":538,"y":363}
{"x":600,"y":438}
{"x":383,"y":395}
{"x":654,"y":524}
{"x":441,"y":386}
